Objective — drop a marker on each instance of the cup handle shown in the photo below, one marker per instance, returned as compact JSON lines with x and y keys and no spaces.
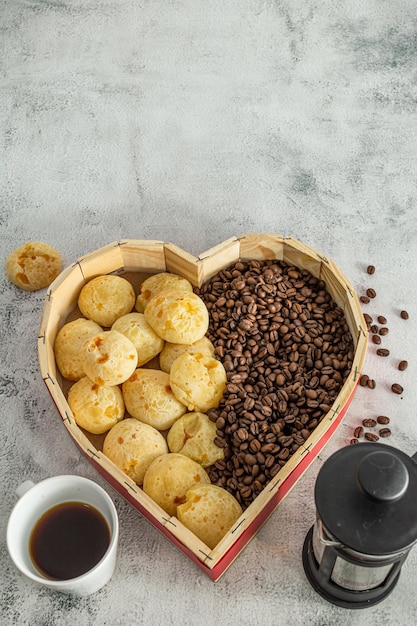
{"x":24,"y":487}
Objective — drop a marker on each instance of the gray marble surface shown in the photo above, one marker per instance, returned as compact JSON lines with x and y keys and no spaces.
{"x":193,"y":121}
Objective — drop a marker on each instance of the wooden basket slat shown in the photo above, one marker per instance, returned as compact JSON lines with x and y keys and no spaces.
{"x":106,"y":260}
{"x":64,"y":293}
{"x":261,"y":247}
{"x":302,"y":256}
{"x":218,"y":257}
{"x":58,"y":397}
{"x":143,"y":255}
{"x":189,"y":539}
{"x":360,"y":355}
{"x":52,"y":328}
{"x":47,"y":361}
{"x":182,"y":263}
{"x":337,"y":286}
{"x":355,"y":320}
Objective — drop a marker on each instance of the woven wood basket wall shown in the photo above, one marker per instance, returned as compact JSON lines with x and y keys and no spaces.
{"x":138,"y":258}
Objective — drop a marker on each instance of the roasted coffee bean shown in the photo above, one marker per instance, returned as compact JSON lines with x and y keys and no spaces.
{"x":396,"y":388}
{"x":371,"y":437}
{"x":371,"y":383}
{"x":364,"y":299}
{"x":402,"y":365}
{"x":404,"y":315}
{"x":368,"y":319}
{"x":383,"y":331}
{"x":382,"y":352}
{"x":384,"y":432}
{"x":376,"y":339}
{"x":250,"y":459}
{"x":374,"y":329}
{"x":220,"y":423}
{"x":382,"y":319}
{"x":383,"y":419}
{"x":269,"y":461}
{"x":246,"y":492}
{"x":255,"y":445}
{"x":371,"y":269}
{"x":221,"y":464}
{"x":242,"y":434}
{"x":369,"y":422}
{"x":353,"y":441}
{"x":371,"y":293}
{"x":358,"y":432}
{"x":363,"y":381}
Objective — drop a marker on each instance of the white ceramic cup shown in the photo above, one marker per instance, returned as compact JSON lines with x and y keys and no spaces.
{"x":37,"y":499}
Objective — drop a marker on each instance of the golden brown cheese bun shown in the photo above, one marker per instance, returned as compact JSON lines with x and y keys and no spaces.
{"x":169,"y":477}
{"x":96,"y":408}
{"x":172,"y":351}
{"x":177,"y":316}
{"x":109,"y":358}
{"x":152,"y":285}
{"x":106,"y":298}
{"x":135,"y":327}
{"x":132,"y":446}
{"x":198,"y":381}
{"x":193,"y":435}
{"x":148,"y":397}
{"x":68,"y":346}
{"x":33,"y":265}
{"x":209,"y":512}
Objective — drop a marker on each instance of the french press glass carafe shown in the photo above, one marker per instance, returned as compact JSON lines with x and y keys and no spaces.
{"x":366,"y":524}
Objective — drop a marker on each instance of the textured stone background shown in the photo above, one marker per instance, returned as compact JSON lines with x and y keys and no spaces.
{"x":193,"y":121}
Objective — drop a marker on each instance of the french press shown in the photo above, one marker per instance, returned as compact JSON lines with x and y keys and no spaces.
{"x":366,"y":524}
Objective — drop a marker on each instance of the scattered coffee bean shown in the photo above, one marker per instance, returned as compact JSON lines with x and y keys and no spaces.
{"x":382,"y":419}
{"x":376,"y":339}
{"x":384,"y":331}
{"x":396,"y":388}
{"x":371,"y":437}
{"x":369,"y":422}
{"x":368,"y":319}
{"x":402,"y":365}
{"x":358,"y":432}
{"x":371,"y":269}
{"x":371,"y":293}
{"x":363,"y":381}
{"x":382,"y":319}
{"x":382,"y":352}
{"x":371,"y":383}
{"x":374,"y":329}
{"x":364,"y":299}
{"x":353,"y":441}
{"x":404,"y":315}
{"x":384,"y":432}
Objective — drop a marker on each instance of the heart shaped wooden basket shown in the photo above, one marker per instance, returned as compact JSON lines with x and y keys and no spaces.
{"x":143,"y":257}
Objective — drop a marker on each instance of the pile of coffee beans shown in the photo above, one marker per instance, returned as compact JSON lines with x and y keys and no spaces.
{"x":287,"y":350}
{"x":377,"y":329}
